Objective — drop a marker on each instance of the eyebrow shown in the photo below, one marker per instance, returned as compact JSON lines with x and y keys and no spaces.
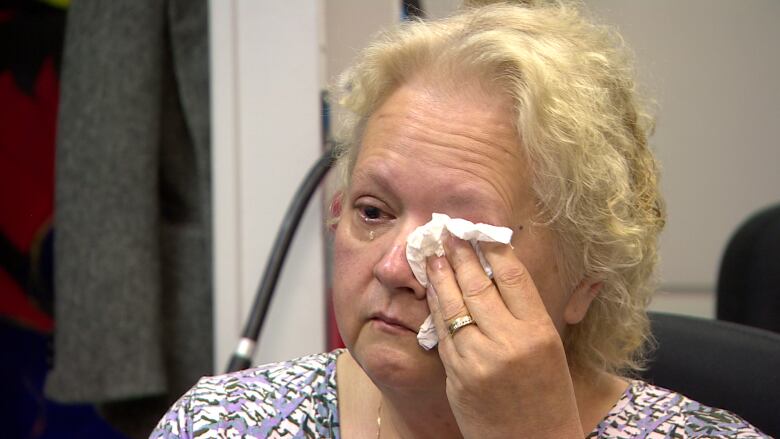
{"x":473,"y":202}
{"x":373,"y":176}
{"x":461,"y":200}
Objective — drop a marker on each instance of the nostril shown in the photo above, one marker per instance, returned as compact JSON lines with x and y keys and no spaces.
{"x":408,"y":290}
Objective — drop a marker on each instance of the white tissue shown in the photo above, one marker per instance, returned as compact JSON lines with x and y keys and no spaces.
{"x":426,"y":241}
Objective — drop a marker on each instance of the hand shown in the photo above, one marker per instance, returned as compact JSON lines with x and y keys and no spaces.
{"x":507,"y":375}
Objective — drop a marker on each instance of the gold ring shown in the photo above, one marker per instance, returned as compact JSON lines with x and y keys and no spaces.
{"x":461,"y":322}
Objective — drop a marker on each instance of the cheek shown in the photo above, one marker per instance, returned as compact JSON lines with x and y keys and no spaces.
{"x":345,"y":259}
{"x":353,"y":254}
{"x":351,"y":276}
{"x":538,"y":256}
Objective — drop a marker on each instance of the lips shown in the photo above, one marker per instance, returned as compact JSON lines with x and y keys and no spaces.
{"x":392,"y":321}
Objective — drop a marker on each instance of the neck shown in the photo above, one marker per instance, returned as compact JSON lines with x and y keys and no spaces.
{"x":408,"y":413}
{"x":596,"y":394}
{"x":418,"y":413}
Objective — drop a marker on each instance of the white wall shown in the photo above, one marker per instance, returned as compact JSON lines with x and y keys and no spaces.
{"x":714,"y":67}
{"x":266,"y":135}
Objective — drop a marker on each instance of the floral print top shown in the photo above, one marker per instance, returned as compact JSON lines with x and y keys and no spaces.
{"x":298,"y":399}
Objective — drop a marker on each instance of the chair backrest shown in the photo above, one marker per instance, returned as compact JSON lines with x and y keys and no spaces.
{"x":721,"y":364}
{"x":748,"y":290}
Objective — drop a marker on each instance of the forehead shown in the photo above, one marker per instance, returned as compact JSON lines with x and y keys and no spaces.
{"x":446,"y":146}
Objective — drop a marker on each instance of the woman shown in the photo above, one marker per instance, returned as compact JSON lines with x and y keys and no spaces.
{"x":518,"y":116}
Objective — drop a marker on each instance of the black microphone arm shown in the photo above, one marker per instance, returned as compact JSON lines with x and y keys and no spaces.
{"x":242,"y":356}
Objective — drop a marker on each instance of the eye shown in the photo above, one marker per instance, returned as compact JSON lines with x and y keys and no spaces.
{"x":371,"y":211}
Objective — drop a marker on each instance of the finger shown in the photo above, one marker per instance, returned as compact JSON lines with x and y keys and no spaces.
{"x":449,"y":298}
{"x":447,"y":350}
{"x":515,"y":285}
{"x":479,"y":294}
{"x":442,"y":279}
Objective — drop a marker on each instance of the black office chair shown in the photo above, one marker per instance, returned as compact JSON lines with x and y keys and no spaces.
{"x":749,"y":280}
{"x":721,"y":364}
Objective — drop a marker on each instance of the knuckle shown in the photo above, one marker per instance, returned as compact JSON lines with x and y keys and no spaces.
{"x":513,"y":276}
{"x":455,"y":386}
{"x":452,"y":309}
{"x":481,"y":376}
{"x":550,"y":340}
{"x":546,"y":343}
{"x":477,"y":287}
{"x":473,"y":379}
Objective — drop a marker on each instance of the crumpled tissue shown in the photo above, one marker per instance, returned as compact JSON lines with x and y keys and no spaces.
{"x":426,"y":241}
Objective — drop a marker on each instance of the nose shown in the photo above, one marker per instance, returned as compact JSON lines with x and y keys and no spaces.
{"x":393,"y":270}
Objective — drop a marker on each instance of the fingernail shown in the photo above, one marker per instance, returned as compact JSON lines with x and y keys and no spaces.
{"x":437,"y":263}
{"x":453,"y":241}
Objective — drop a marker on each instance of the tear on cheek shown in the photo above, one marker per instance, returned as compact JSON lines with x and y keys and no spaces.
{"x":354,"y":235}
{"x":368,"y":235}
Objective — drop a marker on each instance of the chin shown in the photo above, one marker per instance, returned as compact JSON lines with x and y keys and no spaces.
{"x":398,"y":363}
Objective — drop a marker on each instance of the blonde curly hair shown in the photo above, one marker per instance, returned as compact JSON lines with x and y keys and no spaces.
{"x":584,"y":130}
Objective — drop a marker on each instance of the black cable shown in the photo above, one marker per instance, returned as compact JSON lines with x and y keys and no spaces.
{"x":242,"y":356}
{"x":412,"y":8}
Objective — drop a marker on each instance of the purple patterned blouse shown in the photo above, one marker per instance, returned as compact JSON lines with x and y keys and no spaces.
{"x":297,"y":399}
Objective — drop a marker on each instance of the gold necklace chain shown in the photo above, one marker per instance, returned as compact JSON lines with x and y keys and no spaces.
{"x":379,"y":419}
